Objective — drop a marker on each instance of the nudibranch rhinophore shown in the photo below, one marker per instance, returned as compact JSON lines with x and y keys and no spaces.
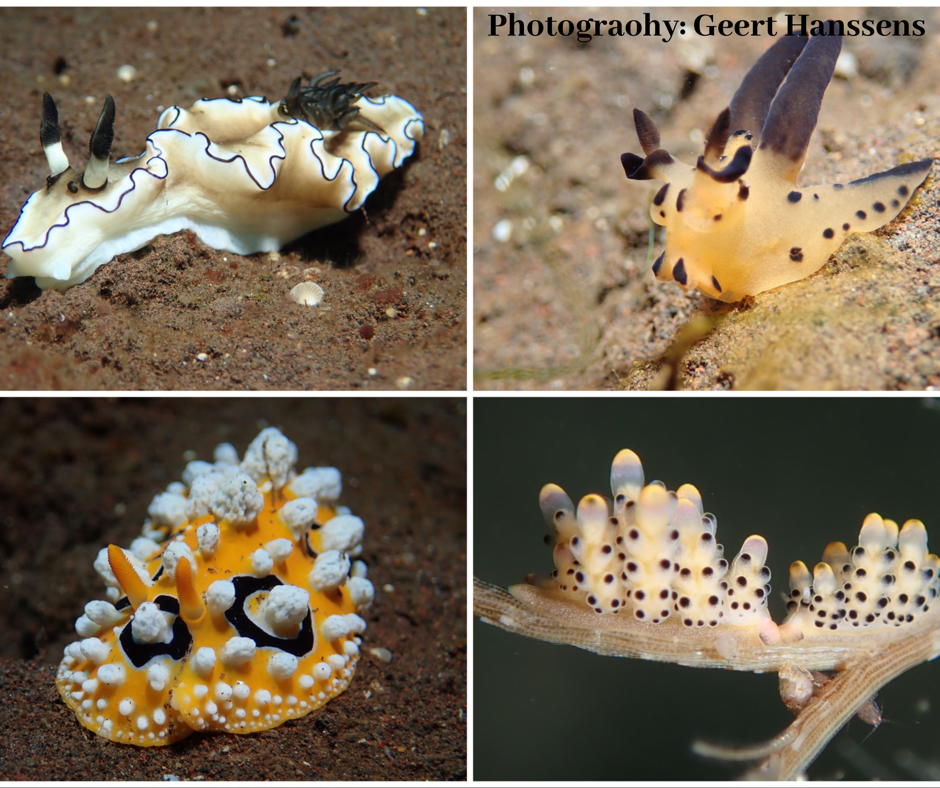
{"x":737,"y":223}
{"x":244,"y":175}
{"x":236,"y":610}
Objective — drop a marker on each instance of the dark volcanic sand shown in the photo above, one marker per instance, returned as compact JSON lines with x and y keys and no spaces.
{"x":141,"y":320}
{"x":70,"y":465}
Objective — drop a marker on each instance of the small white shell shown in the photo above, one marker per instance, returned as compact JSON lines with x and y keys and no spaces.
{"x":127,"y":73}
{"x":307,"y":293}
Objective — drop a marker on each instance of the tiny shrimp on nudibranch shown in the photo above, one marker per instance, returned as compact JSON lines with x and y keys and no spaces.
{"x":737,"y":223}
{"x":236,"y":610}
{"x":244,"y":175}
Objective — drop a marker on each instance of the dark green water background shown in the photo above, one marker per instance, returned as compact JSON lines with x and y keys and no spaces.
{"x":800,"y":472}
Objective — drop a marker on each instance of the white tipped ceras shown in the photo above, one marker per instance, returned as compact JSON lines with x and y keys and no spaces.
{"x":643,"y":576}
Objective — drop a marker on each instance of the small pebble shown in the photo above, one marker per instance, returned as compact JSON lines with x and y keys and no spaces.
{"x":502,"y":231}
{"x":381,"y":653}
{"x":127,"y":73}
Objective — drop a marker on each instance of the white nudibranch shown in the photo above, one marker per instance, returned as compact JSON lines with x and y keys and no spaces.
{"x":245,"y":175}
{"x":233,"y":622}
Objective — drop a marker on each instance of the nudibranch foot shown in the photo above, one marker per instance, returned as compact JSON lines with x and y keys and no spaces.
{"x":737,"y":224}
{"x":244,"y":175}
{"x":236,"y":610}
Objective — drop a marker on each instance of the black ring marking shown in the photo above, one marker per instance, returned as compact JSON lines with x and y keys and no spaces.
{"x":237,"y":616}
{"x":140,"y":654}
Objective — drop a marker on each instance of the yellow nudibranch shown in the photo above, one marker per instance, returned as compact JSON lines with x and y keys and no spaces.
{"x":737,"y":222}
{"x":653,"y":554}
{"x":236,"y":610}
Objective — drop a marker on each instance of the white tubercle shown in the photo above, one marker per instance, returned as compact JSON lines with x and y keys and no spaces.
{"x":149,"y":624}
{"x":261,"y":562}
{"x":237,"y":501}
{"x":103,"y":613}
{"x":144,"y":548}
{"x":208,"y":537}
{"x":194,"y":469}
{"x":220,"y":596}
{"x":335,"y":627}
{"x":344,"y":532}
{"x":173,"y":553}
{"x":204,"y":661}
{"x":285,"y":608}
{"x":361,"y":591}
{"x":168,"y":509}
{"x":298,"y":515}
{"x":282,"y":665}
{"x":238,"y":651}
{"x":329,"y":571}
{"x":318,"y":483}
{"x":270,"y":456}
{"x":225,"y":454}
{"x":279,"y":549}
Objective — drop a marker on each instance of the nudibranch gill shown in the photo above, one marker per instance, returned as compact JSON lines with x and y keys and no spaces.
{"x":737,"y":223}
{"x":244,"y":175}
{"x":236,"y":610}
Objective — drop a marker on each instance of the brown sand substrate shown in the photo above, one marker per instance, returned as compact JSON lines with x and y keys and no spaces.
{"x":395,"y":274}
{"x":78,"y":474}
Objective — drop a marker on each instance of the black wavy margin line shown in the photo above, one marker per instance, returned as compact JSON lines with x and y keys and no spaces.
{"x":160,"y":154}
{"x":90,"y":202}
